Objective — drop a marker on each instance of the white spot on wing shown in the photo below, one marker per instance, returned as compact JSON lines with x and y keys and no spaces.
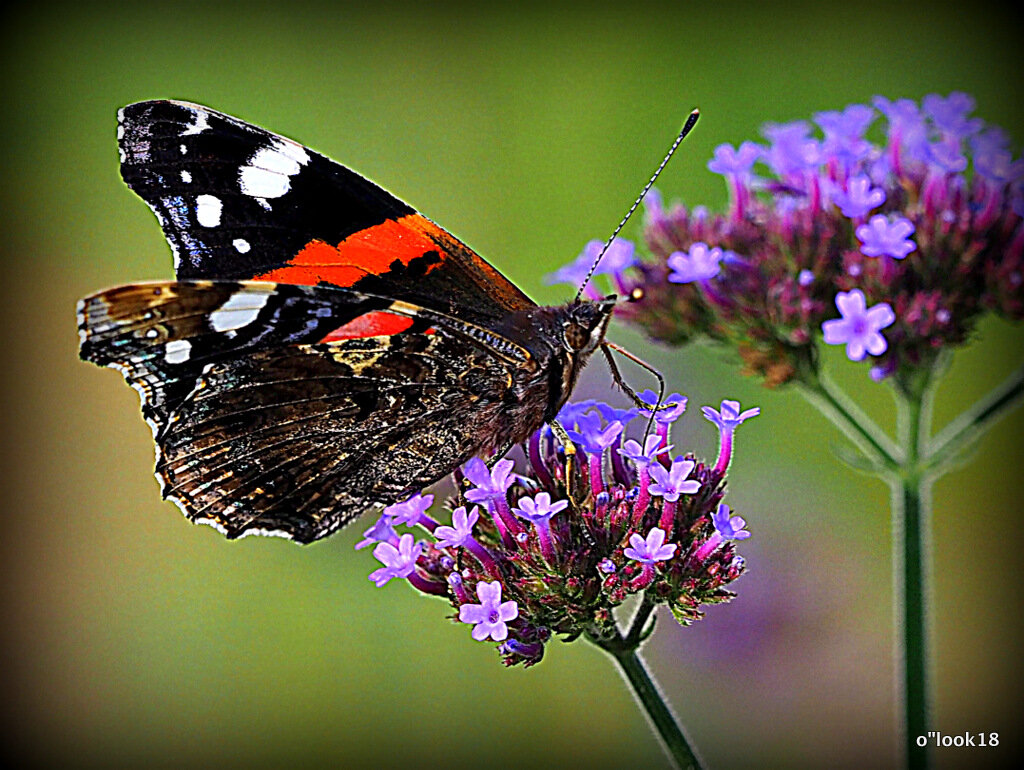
{"x":184,"y":149}
{"x":177,"y":351}
{"x":268,"y":172}
{"x":241,"y":245}
{"x":186,"y":177}
{"x":240,"y":310}
{"x":201,"y":123}
{"x":208,"y":209}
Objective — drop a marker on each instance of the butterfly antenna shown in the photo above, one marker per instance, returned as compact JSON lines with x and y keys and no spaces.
{"x":691,"y":121}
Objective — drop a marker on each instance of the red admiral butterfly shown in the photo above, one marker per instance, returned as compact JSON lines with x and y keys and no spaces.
{"x":324,"y":347}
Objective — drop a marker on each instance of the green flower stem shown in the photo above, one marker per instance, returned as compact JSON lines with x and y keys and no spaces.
{"x":623,"y":648}
{"x":912,"y":578}
{"x":646,"y":691}
{"x":832,"y":402}
{"x":912,"y":572}
{"x":962,"y":432}
{"x":910,"y":468}
{"x":639,"y":622}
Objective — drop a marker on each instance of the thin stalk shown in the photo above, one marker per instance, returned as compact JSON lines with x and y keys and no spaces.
{"x":912,"y":578}
{"x":832,"y":402}
{"x":623,"y":648}
{"x":647,"y":692}
{"x":970,"y":424}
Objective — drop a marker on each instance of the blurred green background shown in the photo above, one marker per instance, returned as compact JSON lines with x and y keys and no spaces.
{"x":134,"y":639}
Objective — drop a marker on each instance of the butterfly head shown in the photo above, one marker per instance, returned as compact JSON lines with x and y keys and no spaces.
{"x":585,"y":324}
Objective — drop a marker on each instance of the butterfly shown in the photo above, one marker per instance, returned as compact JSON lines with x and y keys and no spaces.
{"x":324,"y":347}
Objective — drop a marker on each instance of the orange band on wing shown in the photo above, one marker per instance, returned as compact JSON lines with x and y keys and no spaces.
{"x":369,"y":252}
{"x":376,"y":323}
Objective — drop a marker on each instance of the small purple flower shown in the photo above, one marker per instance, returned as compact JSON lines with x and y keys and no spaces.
{"x":907,"y":130}
{"x":607,"y":566}
{"x":539,"y":509}
{"x":410,"y":512}
{"x":650,"y":549}
{"x":573,"y":273}
{"x":460,"y":532}
{"x":727,"y":421}
{"x":730,"y":528}
{"x":991,"y":139}
{"x":605,"y":438}
{"x":646,"y":454}
{"x":998,"y":166}
{"x":949,"y":114}
{"x":381,"y":532}
{"x":805,"y":278}
{"x":491,"y":615}
{"x":620,"y":255}
{"x":398,"y":562}
{"x":860,"y":197}
{"x":588,"y":428}
{"x":700,"y":263}
{"x":729,"y":161}
{"x":791,"y":151}
{"x":946,"y":157}
{"x":654,"y":208}
{"x":730,"y":416}
{"x":665,"y":416}
{"x":881,"y":237}
{"x":670,"y":484}
{"x":859,"y":328}
{"x":844,"y":132}
{"x":491,"y":483}
{"x":611,"y":413}
{"x":571,"y":412}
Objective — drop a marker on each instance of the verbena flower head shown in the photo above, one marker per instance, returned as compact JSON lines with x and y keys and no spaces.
{"x":549,"y":554}
{"x":918,"y":207}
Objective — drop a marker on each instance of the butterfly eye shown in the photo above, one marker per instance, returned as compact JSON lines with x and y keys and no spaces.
{"x":574,"y":337}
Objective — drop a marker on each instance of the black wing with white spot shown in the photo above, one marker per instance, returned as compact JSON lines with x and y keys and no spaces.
{"x":235,"y":200}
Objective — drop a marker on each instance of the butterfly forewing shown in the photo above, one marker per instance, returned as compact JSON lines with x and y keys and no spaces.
{"x":261,"y":429}
{"x":238,"y":202}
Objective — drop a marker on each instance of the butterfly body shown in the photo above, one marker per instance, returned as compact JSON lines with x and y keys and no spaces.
{"x":325,"y":347}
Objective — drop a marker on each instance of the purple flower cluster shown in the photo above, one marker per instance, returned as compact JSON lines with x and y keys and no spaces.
{"x":891,"y":228}
{"x":554,"y":549}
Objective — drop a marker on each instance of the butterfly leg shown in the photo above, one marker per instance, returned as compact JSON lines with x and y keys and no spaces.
{"x":578,"y":501}
{"x":606,"y":348}
{"x":570,"y":455}
{"x":499,"y":454}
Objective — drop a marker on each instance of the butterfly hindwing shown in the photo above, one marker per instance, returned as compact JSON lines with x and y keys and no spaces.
{"x":160,"y":335}
{"x":299,"y":440}
{"x":238,"y":202}
{"x":271,"y":415}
